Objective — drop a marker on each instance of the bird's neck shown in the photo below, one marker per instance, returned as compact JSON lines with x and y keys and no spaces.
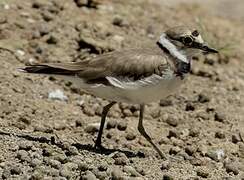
{"x":169,"y":47}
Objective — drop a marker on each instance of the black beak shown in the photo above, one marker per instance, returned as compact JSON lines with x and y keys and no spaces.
{"x":208,"y":49}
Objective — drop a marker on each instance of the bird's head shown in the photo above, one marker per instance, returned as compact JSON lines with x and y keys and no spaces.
{"x":188,"y":41}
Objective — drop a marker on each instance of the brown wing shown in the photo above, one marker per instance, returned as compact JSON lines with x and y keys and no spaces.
{"x":133,"y":62}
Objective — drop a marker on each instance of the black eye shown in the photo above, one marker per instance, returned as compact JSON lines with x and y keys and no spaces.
{"x":195,"y":33}
{"x":187,"y":40}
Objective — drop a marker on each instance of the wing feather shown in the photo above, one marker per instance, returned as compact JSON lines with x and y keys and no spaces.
{"x":133,"y":63}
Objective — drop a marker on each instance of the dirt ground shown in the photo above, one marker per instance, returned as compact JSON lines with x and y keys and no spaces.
{"x":201,"y":128}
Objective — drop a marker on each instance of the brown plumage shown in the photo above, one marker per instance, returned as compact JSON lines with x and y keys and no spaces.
{"x":131,"y":63}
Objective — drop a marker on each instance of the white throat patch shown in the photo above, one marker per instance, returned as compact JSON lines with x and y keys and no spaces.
{"x":172,"y":49}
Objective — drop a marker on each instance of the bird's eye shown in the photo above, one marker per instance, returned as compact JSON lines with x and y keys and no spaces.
{"x":187,"y":40}
{"x":195,"y":33}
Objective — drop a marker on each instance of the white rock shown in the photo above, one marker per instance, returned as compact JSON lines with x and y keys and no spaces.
{"x":6,"y":6}
{"x":118,"y":38}
{"x":220,"y":154}
{"x":20,"y":52}
{"x":57,"y":95}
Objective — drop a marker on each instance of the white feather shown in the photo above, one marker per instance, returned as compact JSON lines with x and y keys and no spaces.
{"x":172,"y":49}
{"x":146,"y":90}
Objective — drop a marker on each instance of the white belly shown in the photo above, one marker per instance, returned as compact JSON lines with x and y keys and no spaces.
{"x":136,"y":92}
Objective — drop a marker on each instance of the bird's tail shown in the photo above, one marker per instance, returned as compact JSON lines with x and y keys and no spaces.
{"x":52,"y":68}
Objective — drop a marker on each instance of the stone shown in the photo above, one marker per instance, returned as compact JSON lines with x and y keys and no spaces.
{"x":82,"y":166}
{"x":36,"y":162}
{"x":120,"y":159}
{"x":130,"y":170}
{"x":122,"y":126}
{"x":190,"y":150}
{"x":190,"y":107}
{"x":111,"y":124}
{"x":231,"y":167}
{"x":52,"y":40}
{"x":220,"y":116}
{"x":216,"y":155}
{"x":25,"y":145}
{"x":54,"y":163}
{"x":168,"y":177}
{"x":117,"y":174}
{"x":174,"y":150}
{"x":23,"y":156}
{"x":89,"y":176}
{"x":220,"y":135}
{"x":172,"y":121}
{"x":103,"y":166}
{"x":92,"y":128}
{"x":202,"y":98}
{"x":130,"y":135}
{"x":165,"y":102}
{"x":202,"y":172}
{"x":236,"y":138}
{"x":173,"y":133}
{"x":165,"y":165}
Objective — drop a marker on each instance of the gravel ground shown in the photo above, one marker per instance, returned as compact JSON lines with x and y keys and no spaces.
{"x":48,"y":126}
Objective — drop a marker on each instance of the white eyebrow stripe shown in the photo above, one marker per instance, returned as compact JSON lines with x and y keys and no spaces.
{"x":172,"y":49}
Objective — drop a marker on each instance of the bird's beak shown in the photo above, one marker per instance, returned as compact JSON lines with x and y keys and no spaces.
{"x":208,"y":49}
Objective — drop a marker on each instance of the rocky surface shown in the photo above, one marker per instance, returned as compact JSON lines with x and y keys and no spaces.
{"x":48,"y":126}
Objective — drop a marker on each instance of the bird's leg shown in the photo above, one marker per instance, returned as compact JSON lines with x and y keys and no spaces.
{"x":144,"y":133}
{"x":103,"y":118}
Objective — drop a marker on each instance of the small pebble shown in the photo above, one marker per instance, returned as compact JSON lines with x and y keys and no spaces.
{"x":122,"y":126}
{"x":231,"y":167}
{"x":111,"y":124}
{"x":44,"y":29}
{"x":130,"y":170}
{"x":101,"y":175}
{"x":82,"y":166}
{"x":236,"y":138}
{"x":202,"y":172}
{"x":220,"y":135}
{"x":36,"y":162}
{"x":165,"y":165}
{"x":120,"y":159}
{"x":89,"y":176}
{"x":6,"y":174}
{"x":174,"y":150}
{"x":23,"y":156}
{"x":47,"y":16}
{"x":202,"y":98}
{"x":167,"y":177}
{"x":173,"y":133}
{"x":57,"y":95}
{"x":117,"y":174}
{"x":190,"y":150}
{"x":70,"y":166}
{"x":103,"y":167}
{"x":220,"y":116}
{"x":15,"y":170}
{"x":52,"y":40}
{"x":65,"y":173}
{"x":25,"y":145}
{"x":194,"y":132}
{"x":92,"y":128}
{"x":60,"y":157}
{"x":130,"y":135}
{"x":190,"y":107}
{"x":54,"y":163}
{"x":166,"y":102}
{"x":172,"y":121}
{"x":216,"y":155}
{"x":119,"y":21}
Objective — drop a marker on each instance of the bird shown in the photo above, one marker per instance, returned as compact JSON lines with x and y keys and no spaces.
{"x":133,"y":75}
